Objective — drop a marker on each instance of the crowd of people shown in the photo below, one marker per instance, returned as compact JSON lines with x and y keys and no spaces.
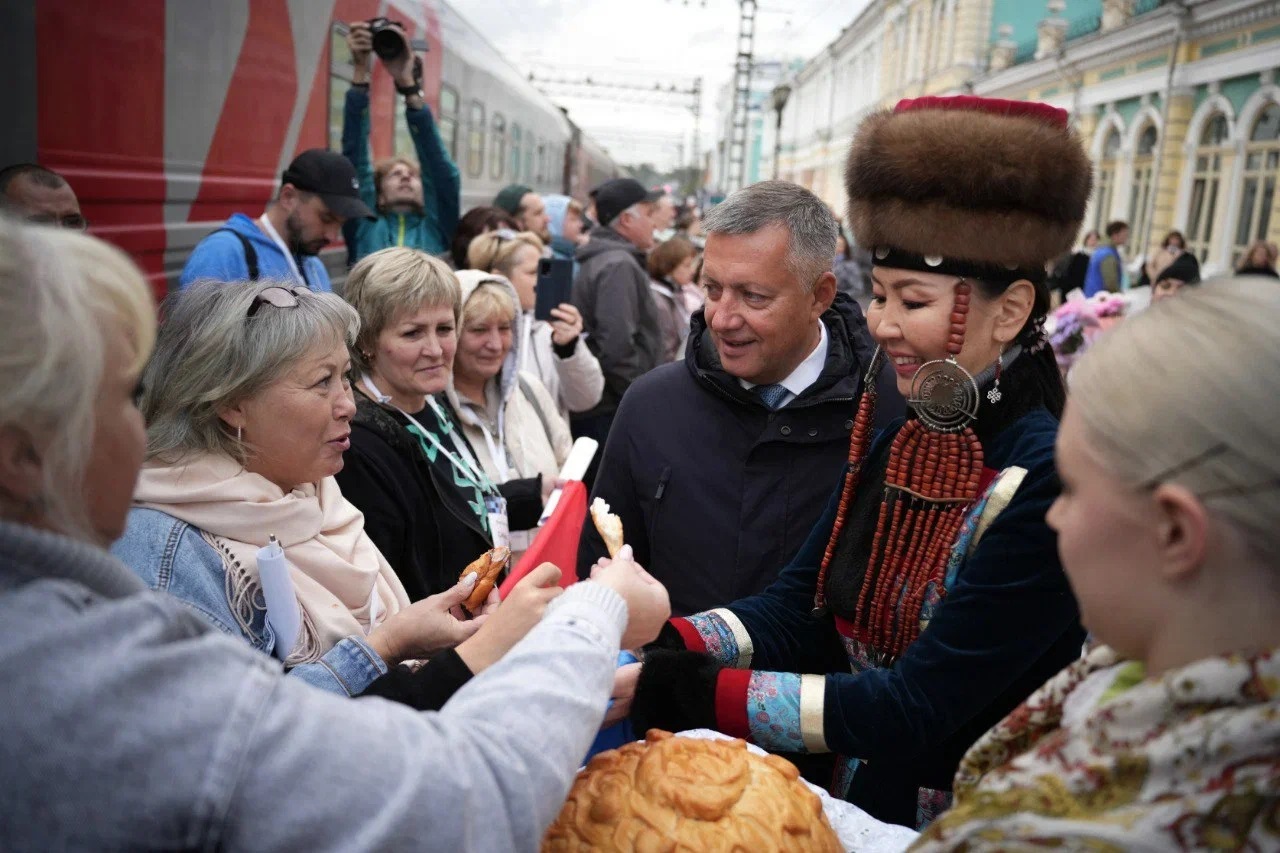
{"x":889,"y":545}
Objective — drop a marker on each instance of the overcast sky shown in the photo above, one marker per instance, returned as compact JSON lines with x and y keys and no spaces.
{"x":648,"y":41}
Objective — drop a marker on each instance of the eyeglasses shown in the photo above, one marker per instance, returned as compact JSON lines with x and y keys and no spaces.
{"x":280,"y":297}
{"x":72,"y":221}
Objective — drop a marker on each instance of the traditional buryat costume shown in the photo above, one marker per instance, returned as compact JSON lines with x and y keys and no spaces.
{"x":929,"y":600}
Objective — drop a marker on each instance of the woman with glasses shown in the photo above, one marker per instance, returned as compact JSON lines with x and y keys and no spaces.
{"x":1166,"y":735}
{"x":248,"y":411}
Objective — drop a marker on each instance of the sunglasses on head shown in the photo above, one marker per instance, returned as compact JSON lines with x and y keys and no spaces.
{"x":280,"y":297}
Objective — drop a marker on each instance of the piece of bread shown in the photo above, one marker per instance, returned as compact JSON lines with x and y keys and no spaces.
{"x":609,"y":525}
{"x":683,"y":794}
{"x":488,"y":566}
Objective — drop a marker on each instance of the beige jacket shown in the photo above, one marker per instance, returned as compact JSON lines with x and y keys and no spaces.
{"x":521,"y":419}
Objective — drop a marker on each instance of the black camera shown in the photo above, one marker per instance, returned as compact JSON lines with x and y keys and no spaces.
{"x":389,"y":39}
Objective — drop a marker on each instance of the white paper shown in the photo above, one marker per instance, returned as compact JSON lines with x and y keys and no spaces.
{"x":856,"y":829}
{"x":282,"y":600}
{"x":574,"y":468}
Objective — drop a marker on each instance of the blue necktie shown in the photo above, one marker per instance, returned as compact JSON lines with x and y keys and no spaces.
{"x":771,"y":395}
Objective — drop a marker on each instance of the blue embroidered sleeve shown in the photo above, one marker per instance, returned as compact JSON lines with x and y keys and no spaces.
{"x":773,"y":711}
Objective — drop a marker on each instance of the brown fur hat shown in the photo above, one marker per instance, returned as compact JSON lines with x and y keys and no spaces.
{"x":979,"y":180}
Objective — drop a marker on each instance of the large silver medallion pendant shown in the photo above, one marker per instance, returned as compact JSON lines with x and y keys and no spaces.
{"x":944,"y":396}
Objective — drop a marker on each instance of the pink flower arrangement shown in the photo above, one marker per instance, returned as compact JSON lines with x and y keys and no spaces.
{"x":1077,"y":324}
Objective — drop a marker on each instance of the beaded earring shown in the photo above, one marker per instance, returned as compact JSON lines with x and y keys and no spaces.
{"x":933,"y":476}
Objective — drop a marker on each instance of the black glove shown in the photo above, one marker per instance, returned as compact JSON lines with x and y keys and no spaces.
{"x":676,"y":691}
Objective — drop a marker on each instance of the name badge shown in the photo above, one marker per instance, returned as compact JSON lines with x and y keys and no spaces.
{"x":496,"y":509}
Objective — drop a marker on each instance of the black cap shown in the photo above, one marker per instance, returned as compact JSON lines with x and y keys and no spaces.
{"x":332,"y":177}
{"x":616,"y":195}
{"x":1185,"y":268}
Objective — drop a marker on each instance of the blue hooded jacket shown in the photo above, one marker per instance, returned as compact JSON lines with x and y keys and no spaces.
{"x":221,"y":257}
{"x":565,"y":249}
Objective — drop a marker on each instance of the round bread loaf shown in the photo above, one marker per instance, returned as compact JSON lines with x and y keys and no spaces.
{"x":684,"y":794}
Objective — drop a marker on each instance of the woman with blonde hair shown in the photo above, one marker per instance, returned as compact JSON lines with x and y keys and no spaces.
{"x":1166,"y":736}
{"x":427,"y":503}
{"x":132,"y":722}
{"x":553,"y":351}
{"x":1258,"y":259}
{"x":506,"y":413}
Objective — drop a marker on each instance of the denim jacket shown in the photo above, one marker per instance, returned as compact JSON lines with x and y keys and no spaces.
{"x":172,"y":556}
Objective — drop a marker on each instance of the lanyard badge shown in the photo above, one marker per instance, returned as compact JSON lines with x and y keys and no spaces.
{"x":496,"y":508}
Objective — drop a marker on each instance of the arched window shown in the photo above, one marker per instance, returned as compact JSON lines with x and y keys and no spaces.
{"x":475,"y":140}
{"x":1144,"y":164}
{"x":1106,"y":179}
{"x":498,"y":154}
{"x":515,"y":151}
{"x":1261,"y":165}
{"x":1205,"y":182}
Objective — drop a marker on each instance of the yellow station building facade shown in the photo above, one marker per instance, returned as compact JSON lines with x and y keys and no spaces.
{"x":1177,"y":102}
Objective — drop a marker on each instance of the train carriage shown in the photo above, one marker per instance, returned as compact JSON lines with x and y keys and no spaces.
{"x":167,"y":117}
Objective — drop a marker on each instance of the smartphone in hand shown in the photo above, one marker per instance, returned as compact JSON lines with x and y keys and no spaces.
{"x":555,"y":285}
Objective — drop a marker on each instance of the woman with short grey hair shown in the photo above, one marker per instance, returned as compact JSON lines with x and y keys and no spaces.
{"x":248,"y":409}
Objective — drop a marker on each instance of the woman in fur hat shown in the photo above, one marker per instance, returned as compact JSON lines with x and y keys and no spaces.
{"x":929,"y":600}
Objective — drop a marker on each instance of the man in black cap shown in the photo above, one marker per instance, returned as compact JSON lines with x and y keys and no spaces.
{"x":318,"y":192}
{"x":612,"y":292}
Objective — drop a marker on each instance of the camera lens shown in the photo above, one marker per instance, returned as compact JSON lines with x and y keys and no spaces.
{"x":388,"y":43}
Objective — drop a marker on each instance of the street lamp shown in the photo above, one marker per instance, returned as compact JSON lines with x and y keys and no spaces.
{"x":778,"y":100}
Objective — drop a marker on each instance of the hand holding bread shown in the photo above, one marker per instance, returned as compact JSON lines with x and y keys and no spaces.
{"x":515,"y":617}
{"x":425,"y":627}
{"x":488,"y":566}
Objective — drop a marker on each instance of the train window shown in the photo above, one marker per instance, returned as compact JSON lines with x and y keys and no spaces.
{"x":542,"y":162}
{"x":498,"y":154}
{"x":475,"y":140}
{"x":340,"y":76}
{"x":401,"y":138}
{"x":447,"y":120}
{"x":529,"y":145}
{"x":515,"y":151}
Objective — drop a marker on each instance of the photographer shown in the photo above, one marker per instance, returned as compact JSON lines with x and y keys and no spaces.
{"x":417,"y":204}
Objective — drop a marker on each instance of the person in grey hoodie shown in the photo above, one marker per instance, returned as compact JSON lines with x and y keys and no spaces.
{"x":132,"y":723}
{"x":612,"y":292}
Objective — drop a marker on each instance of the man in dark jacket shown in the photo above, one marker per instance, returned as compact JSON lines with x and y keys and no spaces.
{"x":612,"y":292}
{"x":720,"y":466}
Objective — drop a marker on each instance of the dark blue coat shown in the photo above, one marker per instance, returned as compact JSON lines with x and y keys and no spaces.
{"x":716,"y":492}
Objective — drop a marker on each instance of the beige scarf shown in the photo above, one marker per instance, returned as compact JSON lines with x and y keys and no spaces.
{"x":336,"y":568}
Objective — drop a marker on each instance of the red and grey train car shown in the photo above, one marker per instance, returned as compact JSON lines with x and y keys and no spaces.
{"x":167,"y":116}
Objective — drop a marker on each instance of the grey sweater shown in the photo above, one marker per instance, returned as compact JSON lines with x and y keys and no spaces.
{"x":129,"y":723}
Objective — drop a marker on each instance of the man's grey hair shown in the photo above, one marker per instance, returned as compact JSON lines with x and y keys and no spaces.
{"x":812,"y":228}
{"x":211,"y":354}
{"x":634,"y":210}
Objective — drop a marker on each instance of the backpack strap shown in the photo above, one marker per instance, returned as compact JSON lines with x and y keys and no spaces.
{"x":250,"y":254}
{"x":527,"y":389}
